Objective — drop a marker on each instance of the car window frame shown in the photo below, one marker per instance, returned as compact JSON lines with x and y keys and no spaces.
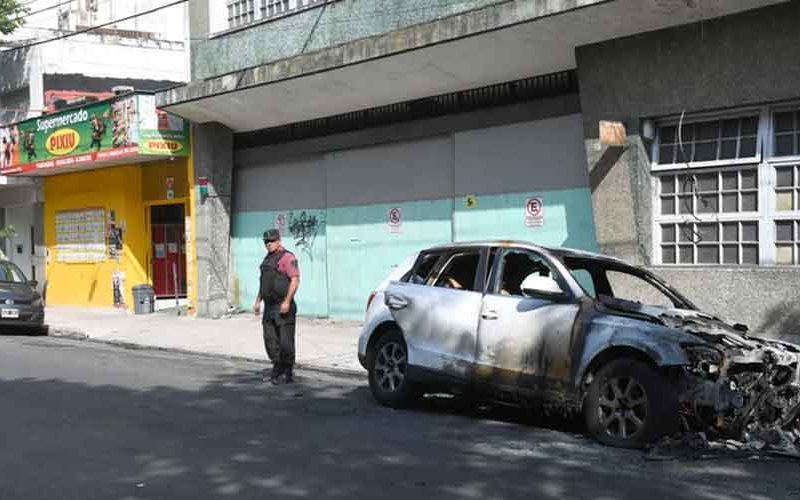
{"x":448,"y":256}
{"x":493,"y":289}
{"x":418,"y":262}
{"x":603,"y":286}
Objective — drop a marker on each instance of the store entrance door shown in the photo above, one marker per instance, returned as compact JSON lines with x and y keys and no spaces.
{"x":168,"y":250}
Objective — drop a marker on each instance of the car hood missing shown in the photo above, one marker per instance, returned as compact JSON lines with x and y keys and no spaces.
{"x":704,"y":326}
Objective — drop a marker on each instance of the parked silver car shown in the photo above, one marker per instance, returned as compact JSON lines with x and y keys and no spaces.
{"x":571,"y":331}
{"x":21,"y":305}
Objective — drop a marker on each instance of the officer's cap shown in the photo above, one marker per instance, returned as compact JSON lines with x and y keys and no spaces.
{"x":271,"y":235}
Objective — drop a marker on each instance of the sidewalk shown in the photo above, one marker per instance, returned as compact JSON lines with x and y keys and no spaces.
{"x":320,"y":344}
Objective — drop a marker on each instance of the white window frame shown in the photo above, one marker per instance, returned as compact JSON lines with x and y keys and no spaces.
{"x":705,"y":117}
{"x":765,"y":164}
{"x":261,"y":11}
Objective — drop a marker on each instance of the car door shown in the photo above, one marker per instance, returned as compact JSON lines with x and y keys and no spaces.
{"x":439,"y":316}
{"x":523,"y":341}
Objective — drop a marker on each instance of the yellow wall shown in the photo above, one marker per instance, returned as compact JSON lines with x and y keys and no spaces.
{"x":129,"y":191}
{"x":154,"y":178}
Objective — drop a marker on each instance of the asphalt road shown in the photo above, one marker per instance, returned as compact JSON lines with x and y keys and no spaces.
{"x":87,"y":421}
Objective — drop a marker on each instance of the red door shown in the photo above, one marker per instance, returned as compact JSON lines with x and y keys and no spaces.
{"x":169,"y":263}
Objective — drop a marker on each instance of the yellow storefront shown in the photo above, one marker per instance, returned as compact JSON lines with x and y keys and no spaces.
{"x":116,"y":215}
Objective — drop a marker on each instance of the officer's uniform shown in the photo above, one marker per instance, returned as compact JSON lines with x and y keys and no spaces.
{"x":277,"y":269}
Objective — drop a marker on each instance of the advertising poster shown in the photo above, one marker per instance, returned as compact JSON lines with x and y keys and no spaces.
{"x":129,"y":126}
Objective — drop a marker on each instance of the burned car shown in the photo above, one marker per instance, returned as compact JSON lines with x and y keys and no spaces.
{"x":576,"y":332}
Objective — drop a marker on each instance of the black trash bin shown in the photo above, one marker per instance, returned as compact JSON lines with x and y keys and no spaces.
{"x":144,"y":299}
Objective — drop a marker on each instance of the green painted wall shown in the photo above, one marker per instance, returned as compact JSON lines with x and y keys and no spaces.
{"x":362,"y":249}
{"x":568,"y":219}
{"x":351,"y":249}
{"x":304,"y":236}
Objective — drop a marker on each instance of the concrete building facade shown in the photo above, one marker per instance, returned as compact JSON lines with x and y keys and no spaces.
{"x":344,"y":114}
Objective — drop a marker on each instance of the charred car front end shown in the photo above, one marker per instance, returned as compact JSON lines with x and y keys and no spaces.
{"x":740,"y":387}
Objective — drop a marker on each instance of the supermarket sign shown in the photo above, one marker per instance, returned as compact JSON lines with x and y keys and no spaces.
{"x":93,"y":136}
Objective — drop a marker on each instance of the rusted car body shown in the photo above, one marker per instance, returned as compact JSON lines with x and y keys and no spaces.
{"x":572,"y":331}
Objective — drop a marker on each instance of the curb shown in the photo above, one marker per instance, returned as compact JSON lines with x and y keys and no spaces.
{"x":78,"y":335}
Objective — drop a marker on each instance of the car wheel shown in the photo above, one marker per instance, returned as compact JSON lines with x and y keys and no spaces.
{"x":387,"y":364}
{"x":629,"y":404}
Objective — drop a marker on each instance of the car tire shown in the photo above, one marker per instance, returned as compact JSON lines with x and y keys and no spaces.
{"x":387,"y":363}
{"x":629,"y":405}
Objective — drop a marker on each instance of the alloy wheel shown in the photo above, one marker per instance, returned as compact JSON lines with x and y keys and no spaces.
{"x":390,"y":366}
{"x":622,"y":407}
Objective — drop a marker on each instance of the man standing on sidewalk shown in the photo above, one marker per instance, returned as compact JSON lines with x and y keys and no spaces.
{"x":280,"y":277}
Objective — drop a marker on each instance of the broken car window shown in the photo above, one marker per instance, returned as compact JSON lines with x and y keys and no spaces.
{"x":633,"y":288}
{"x":585,"y":280}
{"x":599,"y":277}
{"x":422,"y":270}
{"x":518,"y":265}
{"x":459,"y":272}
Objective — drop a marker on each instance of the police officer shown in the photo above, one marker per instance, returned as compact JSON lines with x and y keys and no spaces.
{"x":280,"y":277}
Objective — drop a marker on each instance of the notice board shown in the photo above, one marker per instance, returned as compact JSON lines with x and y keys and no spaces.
{"x":80,"y":235}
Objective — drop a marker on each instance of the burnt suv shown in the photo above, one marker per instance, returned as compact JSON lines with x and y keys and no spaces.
{"x":572,"y":331}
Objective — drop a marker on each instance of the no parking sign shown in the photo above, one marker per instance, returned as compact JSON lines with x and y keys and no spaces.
{"x":280,"y":223}
{"x":394,"y":219}
{"x":534,"y":212}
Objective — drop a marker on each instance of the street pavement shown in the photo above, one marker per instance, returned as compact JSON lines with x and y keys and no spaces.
{"x":87,"y":421}
{"x":321,"y":344}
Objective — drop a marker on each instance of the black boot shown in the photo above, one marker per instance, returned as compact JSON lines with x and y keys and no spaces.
{"x":275,"y":376}
{"x":288,"y":376}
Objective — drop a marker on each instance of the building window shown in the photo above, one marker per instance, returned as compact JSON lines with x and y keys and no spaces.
{"x":787,"y":188}
{"x":241,"y":12}
{"x":729,"y":139}
{"x":717,"y":191}
{"x":718,"y":200}
{"x":729,"y":243}
{"x":787,"y":133}
{"x":272,"y":8}
{"x":787,"y":242}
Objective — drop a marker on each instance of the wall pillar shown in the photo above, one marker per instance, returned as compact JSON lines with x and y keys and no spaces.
{"x":213,"y":160}
{"x":619,"y":179}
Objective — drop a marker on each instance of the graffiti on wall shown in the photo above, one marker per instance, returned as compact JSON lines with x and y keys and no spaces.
{"x":304,"y":228}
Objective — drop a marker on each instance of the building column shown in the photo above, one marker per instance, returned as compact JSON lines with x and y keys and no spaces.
{"x":212,"y":150}
{"x":619,"y":179}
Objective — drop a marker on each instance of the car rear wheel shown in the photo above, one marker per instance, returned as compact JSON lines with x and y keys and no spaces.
{"x":387,"y":364}
{"x":629,"y":405}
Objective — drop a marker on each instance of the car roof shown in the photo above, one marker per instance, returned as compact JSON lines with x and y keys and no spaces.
{"x":556,"y":251}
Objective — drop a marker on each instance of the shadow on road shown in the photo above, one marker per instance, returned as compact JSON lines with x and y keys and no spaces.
{"x":237,"y":437}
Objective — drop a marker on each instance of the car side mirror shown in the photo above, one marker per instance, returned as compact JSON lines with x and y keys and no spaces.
{"x":545,"y":287}
{"x":33,"y":283}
